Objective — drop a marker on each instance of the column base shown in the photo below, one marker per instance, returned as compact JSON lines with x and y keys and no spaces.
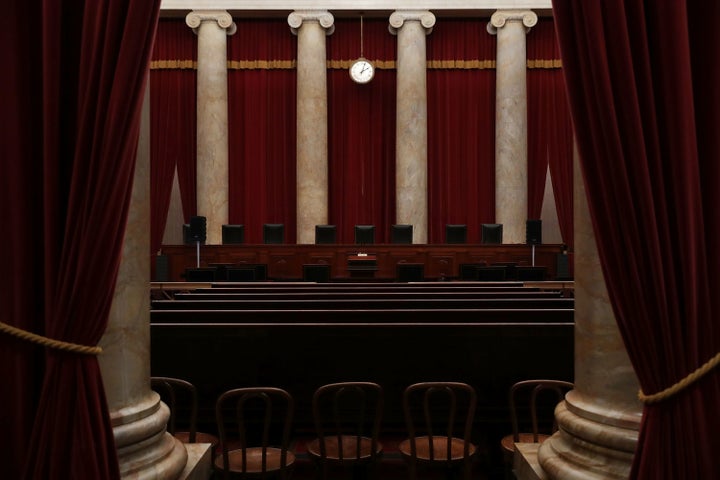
{"x":146,"y":451}
{"x":525,"y":462}
{"x":589,"y":445}
{"x":199,"y":462}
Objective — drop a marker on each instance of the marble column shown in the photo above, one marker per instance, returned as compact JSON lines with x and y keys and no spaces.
{"x":311,"y":27}
{"x":411,"y":27}
{"x":212,"y":28}
{"x":510,"y":26}
{"x":139,"y":418}
{"x":599,"y":420}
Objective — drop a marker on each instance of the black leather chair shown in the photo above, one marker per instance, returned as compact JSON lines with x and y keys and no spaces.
{"x":233,"y":234}
{"x":455,"y":233}
{"x":325,"y":234}
{"x":401,"y":233}
{"x":273,"y":233}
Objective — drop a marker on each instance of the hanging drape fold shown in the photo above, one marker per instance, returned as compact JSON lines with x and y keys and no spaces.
{"x":71,"y":127}
{"x":641,"y":80}
{"x":173,"y":124}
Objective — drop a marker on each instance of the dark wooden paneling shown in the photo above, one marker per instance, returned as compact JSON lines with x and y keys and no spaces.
{"x":285,"y":262}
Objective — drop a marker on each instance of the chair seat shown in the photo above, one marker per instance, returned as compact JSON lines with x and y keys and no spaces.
{"x":508,"y":442}
{"x":349,"y":448}
{"x":254,"y":460}
{"x":422,"y":444}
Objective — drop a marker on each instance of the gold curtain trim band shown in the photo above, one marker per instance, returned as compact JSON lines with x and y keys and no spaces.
{"x":682,"y":384}
{"x":261,"y":64}
{"x":345,"y":64}
{"x":461,"y":64}
{"x":48,"y":342}
{"x":173,"y":65}
{"x":544,"y":63}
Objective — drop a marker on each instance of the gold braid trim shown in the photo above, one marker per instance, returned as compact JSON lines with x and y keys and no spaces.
{"x":49,"y":342}
{"x":682,"y":384}
{"x":544,"y":63}
{"x":344,"y":64}
{"x":173,"y":65}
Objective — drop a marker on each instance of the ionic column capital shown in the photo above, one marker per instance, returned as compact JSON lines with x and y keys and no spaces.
{"x":223,"y":19}
{"x":399,"y":17}
{"x":323,"y":17}
{"x":500,"y":18}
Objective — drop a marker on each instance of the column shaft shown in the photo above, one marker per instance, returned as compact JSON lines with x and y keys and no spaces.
{"x":511,"y":121}
{"x":145,"y":449}
{"x":600,"y":419}
{"x":212,"y":28}
{"x":311,"y":28}
{"x":411,"y":27}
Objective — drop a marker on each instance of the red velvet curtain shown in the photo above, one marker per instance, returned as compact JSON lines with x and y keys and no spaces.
{"x":72,"y":93}
{"x":262,"y":126}
{"x":361,"y":130}
{"x":461,"y":127}
{"x":550,"y":136}
{"x":642,"y":80}
{"x":173,"y":123}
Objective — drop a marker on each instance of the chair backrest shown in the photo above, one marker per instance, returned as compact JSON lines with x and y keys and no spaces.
{"x":491,"y":233}
{"x":259,"y":417}
{"x":531,"y":273}
{"x":201,"y":274}
{"x":469,"y":271}
{"x":240,"y":274}
{"x":455,"y":233}
{"x":273,"y":233}
{"x":345,"y":410}
{"x":316,"y":272}
{"x":233,"y":234}
{"x":530,"y":391}
{"x":325,"y":234}
{"x":401,"y":233}
{"x":410,"y":272}
{"x":491,"y":273}
{"x":440,"y":409}
{"x":178,"y":395}
{"x":364,"y":234}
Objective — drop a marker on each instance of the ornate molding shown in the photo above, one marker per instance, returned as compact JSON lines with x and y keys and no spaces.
{"x":323,"y":17}
{"x":500,"y":18}
{"x":221,"y":17}
{"x":399,"y":17}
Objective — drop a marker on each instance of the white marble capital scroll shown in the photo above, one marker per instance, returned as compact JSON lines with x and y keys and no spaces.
{"x":500,"y":18}
{"x":212,"y":28}
{"x":399,"y":17}
{"x":223,"y":19}
{"x":411,"y":27}
{"x":323,"y":17}
{"x":311,"y":27}
{"x":511,"y":26}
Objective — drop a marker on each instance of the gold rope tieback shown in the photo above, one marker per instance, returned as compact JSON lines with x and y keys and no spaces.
{"x":49,"y":342}
{"x":682,"y":384}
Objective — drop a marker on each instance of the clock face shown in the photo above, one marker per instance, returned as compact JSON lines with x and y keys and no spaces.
{"x":362,"y":71}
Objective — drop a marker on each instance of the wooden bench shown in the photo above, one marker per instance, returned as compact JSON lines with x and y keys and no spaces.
{"x":301,"y":350}
{"x":321,"y":294}
{"x":364,"y":303}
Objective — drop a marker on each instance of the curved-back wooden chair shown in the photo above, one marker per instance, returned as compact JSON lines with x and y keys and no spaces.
{"x":347,"y":417}
{"x":439,"y":418}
